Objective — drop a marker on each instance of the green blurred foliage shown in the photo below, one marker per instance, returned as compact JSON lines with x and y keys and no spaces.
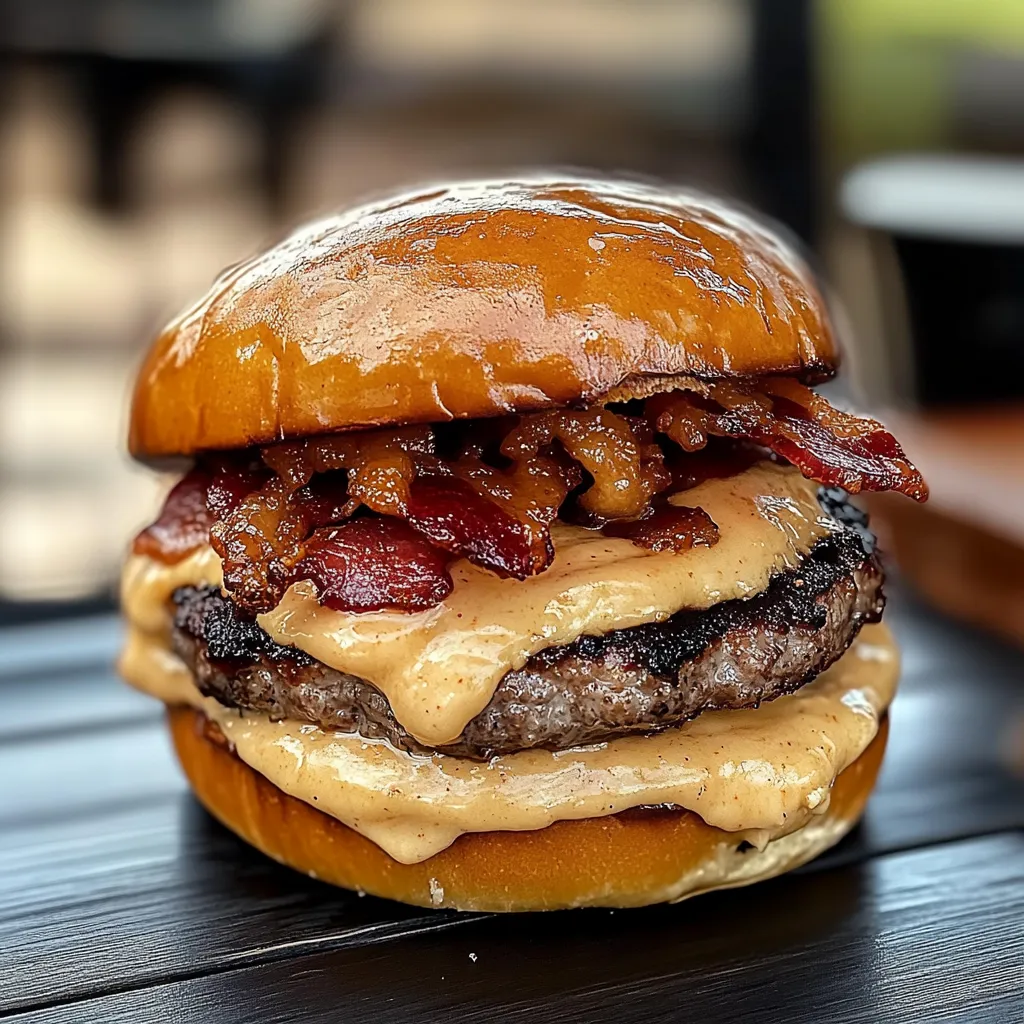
{"x":887,"y":68}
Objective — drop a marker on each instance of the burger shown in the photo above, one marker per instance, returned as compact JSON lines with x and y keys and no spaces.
{"x":512,"y":565}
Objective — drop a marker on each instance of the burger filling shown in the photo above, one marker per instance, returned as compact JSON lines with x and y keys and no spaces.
{"x":547,"y":580}
{"x":760,"y":774}
{"x":735,"y":654}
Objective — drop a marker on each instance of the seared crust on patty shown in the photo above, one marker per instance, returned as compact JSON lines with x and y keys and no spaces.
{"x":733,"y":655}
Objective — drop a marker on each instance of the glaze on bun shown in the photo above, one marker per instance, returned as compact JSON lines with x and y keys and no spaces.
{"x":478,"y":300}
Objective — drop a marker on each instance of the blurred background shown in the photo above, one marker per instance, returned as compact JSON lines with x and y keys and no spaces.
{"x":145,"y":144}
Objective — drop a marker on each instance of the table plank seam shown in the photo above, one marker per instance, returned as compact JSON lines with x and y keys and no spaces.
{"x":362,"y":938}
{"x":841,"y":859}
{"x":43,"y":818}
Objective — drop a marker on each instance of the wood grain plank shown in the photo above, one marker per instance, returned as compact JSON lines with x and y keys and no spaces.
{"x":72,"y":773}
{"x":87,"y":699}
{"x":57,"y":675}
{"x":903,"y":939}
{"x":151,"y":888}
{"x":114,"y":899}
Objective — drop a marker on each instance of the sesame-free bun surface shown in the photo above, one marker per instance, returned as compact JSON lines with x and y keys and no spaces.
{"x":473,"y":300}
{"x":623,"y":860}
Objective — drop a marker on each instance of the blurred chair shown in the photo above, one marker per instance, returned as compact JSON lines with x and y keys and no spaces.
{"x":268,"y":56}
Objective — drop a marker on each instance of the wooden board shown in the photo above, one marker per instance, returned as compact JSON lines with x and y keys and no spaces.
{"x":964,"y":548}
{"x":121,"y":900}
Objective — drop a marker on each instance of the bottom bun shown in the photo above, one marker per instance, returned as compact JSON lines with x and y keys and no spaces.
{"x":624,"y":860}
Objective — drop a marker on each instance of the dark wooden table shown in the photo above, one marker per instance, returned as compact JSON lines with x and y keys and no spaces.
{"x":121,"y":900}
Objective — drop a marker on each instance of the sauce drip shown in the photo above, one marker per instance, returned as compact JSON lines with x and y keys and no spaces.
{"x":764,"y":773}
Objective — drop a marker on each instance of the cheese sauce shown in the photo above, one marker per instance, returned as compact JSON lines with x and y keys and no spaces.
{"x":440,"y":667}
{"x":765,"y":772}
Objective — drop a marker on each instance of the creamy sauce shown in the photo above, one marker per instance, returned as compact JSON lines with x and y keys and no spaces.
{"x":440,"y":667}
{"x":765,"y":772}
{"x":147,"y":586}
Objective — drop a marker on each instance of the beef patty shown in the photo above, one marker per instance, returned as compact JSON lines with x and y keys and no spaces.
{"x":733,"y":655}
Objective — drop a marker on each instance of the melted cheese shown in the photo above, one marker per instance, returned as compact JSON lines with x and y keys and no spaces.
{"x":147,"y":586}
{"x":765,"y":772}
{"x":440,"y":667}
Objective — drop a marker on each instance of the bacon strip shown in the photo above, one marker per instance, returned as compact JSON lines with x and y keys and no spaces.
{"x":465,"y":523}
{"x":370,"y":564}
{"x":231,"y":480}
{"x":263,"y":538}
{"x":833,"y":447}
{"x":496,"y":518}
{"x":207,"y":492}
{"x":184,"y":522}
{"x":530,"y":493}
{"x":605,"y":445}
{"x":381,"y":463}
{"x":259,"y":542}
{"x":489,"y":491}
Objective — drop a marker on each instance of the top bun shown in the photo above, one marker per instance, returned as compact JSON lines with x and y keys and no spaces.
{"x":478,"y":299}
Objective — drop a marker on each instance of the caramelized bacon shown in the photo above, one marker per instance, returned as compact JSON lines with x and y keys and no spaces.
{"x":259,"y":542}
{"x":369,"y":564}
{"x":262,"y":539}
{"x":833,"y":447}
{"x":317,"y":482}
{"x":721,"y":458}
{"x":208,"y":491}
{"x":677,"y":415}
{"x":381,"y":463}
{"x":498,"y":518}
{"x":374,"y":518}
{"x":463,"y":522}
{"x":668,"y":528}
{"x":531,"y":493}
{"x":856,"y":452}
{"x":605,"y":445}
{"x":231,"y":480}
{"x":324,"y":500}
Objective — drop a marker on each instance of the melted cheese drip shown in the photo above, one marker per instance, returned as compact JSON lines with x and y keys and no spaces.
{"x":765,"y":772}
{"x":440,"y":667}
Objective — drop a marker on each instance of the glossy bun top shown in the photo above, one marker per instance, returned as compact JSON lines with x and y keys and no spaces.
{"x":477,"y":299}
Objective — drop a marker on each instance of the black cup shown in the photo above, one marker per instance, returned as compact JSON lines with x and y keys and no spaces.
{"x":955,"y":226}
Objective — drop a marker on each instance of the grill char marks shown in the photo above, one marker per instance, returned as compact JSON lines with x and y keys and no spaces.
{"x":734,"y":655}
{"x":229,"y":636}
{"x":792,"y":599}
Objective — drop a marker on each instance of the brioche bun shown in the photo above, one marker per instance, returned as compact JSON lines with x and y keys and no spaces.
{"x":476,"y":300}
